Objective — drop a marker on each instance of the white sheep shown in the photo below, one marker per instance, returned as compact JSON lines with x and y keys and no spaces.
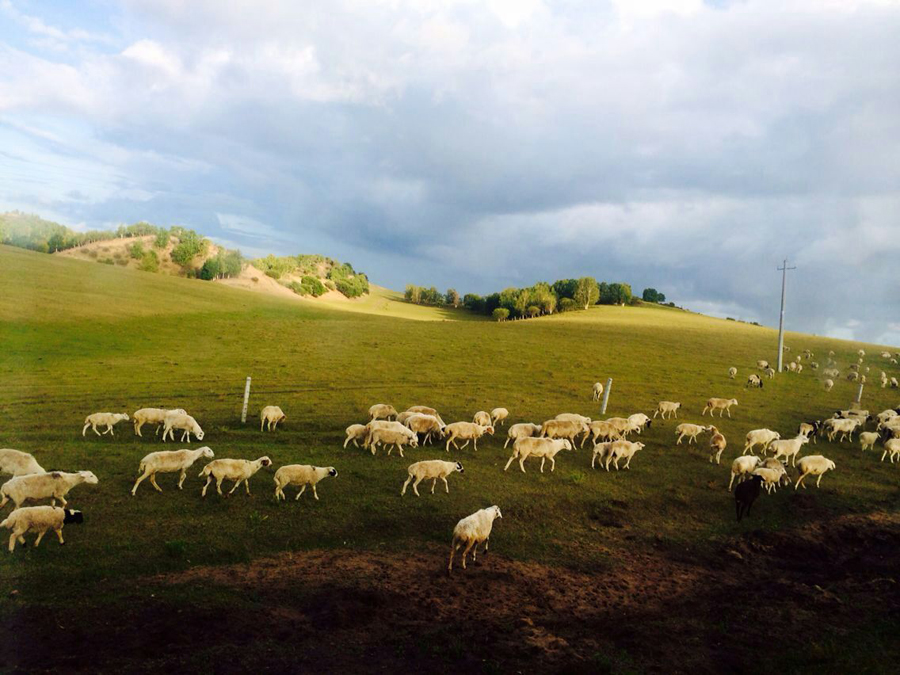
{"x":573,"y":417}
{"x":894,"y":384}
{"x":430,"y":469}
{"x":381,"y":424}
{"x":723,"y":405}
{"x":639,"y":422}
{"x":829,"y":384}
{"x":689,"y":431}
{"x":521,"y":430}
{"x":597,"y":391}
{"x":169,"y":461}
{"x":717,"y":444}
{"x":771,"y":477}
{"x":499,"y":415}
{"x":271,"y":415}
{"x":425,"y":410}
{"x":600,"y":453}
{"x":393,"y":438}
{"x":545,"y":448}
{"x":760,"y":437}
{"x":754,"y":381}
{"x":762,"y":364}
{"x":788,"y":448}
{"x":620,"y":449}
{"x":892,"y":446}
{"x":810,"y":430}
{"x":482,"y":418}
{"x":867,"y":440}
{"x":742,"y":466}
{"x":732,"y":372}
{"x":155,"y":416}
{"x":466,"y":431}
{"x":471,"y":531}
{"x":429,"y":425}
{"x":564,"y":429}
{"x":356,"y":432}
{"x":103,"y":419}
{"x":770,"y":373}
{"x":772,"y":463}
{"x":845,"y":427}
{"x":881,"y":417}
{"x":813,"y":465}
{"x":238,"y":470}
{"x":52,"y":485}
{"x":601,"y":430}
{"x":303,"y":475}
{"x":18,"y":463}
{"x":667,"y":407}
{"x":382,"y":411}
{"x":38,"y":519}
{"x":184,"y":423}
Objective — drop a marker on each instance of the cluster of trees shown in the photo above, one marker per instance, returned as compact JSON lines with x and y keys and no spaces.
{"x":225,"y":264}
{"x":419,"y":295}
{"x":312,"y":268}
{"x":653,"y":295}
{"x":308,"y":285}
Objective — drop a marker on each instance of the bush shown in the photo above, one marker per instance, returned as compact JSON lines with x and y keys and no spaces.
{"x":329,"y":284}
{"x":108,"y":261}
{"x":121,"y":262}
{"x":150,"y":262}
{"x":567,"y":305}
{"x":347,"y":281}
{"x":136,"y":250}
{"x":190,"y":245}
{"x":314,"y":286}
{"x":500,"y":314}
{"x":162,"y":239}
{"x":533,"y":311}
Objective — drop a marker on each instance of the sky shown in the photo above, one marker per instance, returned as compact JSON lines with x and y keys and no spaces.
{"x":684,"y":145}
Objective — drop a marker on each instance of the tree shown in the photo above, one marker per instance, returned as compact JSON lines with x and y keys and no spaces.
{"x":652,"y":295}
{"x":586,"y":292}
{"x":150,"y":262}
{"x":413,"y":294}
{"x":136,"y":250}
{"x":620,"y":293}
{"x":452,"y":297}
{"x":567,"y":305}
{"x":500,"y":314}
{"x":565,"y":288}
{"x":162,"y":239}
{"x":533,"y":311}
{"x":474,"y":303}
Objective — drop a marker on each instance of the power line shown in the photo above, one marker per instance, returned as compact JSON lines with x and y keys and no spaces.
{"x":784,"y":270}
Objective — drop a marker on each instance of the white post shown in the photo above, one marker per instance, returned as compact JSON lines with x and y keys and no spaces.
{"x":784,"y":270}
{"x":606,"y":395}
{"x":246,"y":401}
{"x":859,"y":394}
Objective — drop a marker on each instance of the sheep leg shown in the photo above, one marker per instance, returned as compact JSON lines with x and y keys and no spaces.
{"x":464,"y":444}
{"x":62,"y":500}
{"x":608,"y":460}
{"x":446,"y":485}
{"x":153,"y":483}
{"x":819,"y":479}
{"x":137,"y":428}
{"x":234,"y":487}
{"x":399,"y":449}
{"x":347,"y":441}
{"x":59,"y":534}
{"x":731,"y":482}
{"x":109,"y":430}
{"x":466,"y":552}
{"x":449,"y":440}
{"x":416,"y":485}
{"x":883,"y":455}
{"x":552,"y":464}
{"x":247,"y":485}
{"x":511,"y":458}
{"x":261,"y":423}
{"x":453,"y":547}
{"x":37,"y":542}
{"x":94,"y":427}
{"x":593,"y":459}
{"x":208,"y":481}
{"x":181,"y":478}
{"x":408,"y":481}
{"x":543,"y":459}
{"x":522,"y":463}
{"x":315,"y":494}
{"x":627,"y":464}
{"x":219,"y":484}
{"x":302,"y":490}
{"x":12,"y":541}
{"x":800,"y":480}
{"x":433,"y":483}
{"x":139,"y":480}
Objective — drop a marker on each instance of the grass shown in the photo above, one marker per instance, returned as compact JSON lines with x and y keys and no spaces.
{"x":80,"y":338}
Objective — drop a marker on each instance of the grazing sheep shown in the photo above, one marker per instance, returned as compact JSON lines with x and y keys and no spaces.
{"x":792,"y":367}
{"x":52,"y":485}
{"x":471,"y":531}
{"x":770,"y":477}
{"x":852,"y":376}
{"x":770,"y":373}
{"x":717,"y":444}
{"x":425,"y":410}
{"x":522,"y":430}
{"x":788,"y":448}
{"x":761,"y":437}
{"x":39,"y":519}
{"x":881,"y":417}
{"x":741,"y":467}
{"x":356,"y":432}
{"x":393,"y":438}
{"x":271,"y":415}
{"x":852,"y":414}
{"x":381,"y":424}
{"x":814,"y":365}
{"x":813,"y":465}
{"x":573,"y":417}
{"x":563,"y":429}
{"x":499,"y":415}
{"x":382,"y":411}
{"x":884,"y":379}
{"x":482,"y":418}
{"x":155,"y":416}
{"x":894,"y":383}
{"x":184,"y":423}
{"x":689,"y":431}
{"x":745,"y":494}
{"x":466,"y":431}
{"x":778,"y":465}
{"x":754,"y":381}
{"x":639,"y":422}
{"x":891,"y":446}
{"x":762,"y":364}
{"x":619,"y":449}
{"x":101,"y":419}
{"x":545,"y":448}
{"x":603,"y":431}
{"x":17,"y":463}
{"x":429,"y":425}
{"x":862,"y":353}
{"x":723,"y":405}
{"x":810,"y":430}
{"x":600,"y":453}
{"x":845,"y":427}
{"x":597,"y":391}
{"x":667,"y":407}
{"x":238,"y":470}
{"x":829,"y":384}
{"x":169,"y":461}
{"x":430,"y":469}
{"x":732,"y":372}
{"x":303,"y":475}
{"x":868,"y":439}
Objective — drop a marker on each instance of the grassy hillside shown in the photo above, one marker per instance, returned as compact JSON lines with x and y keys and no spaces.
{"x":84,"y":338}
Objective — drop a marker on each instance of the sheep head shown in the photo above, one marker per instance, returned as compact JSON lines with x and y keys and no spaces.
{"x":88,"y":477}
{"x":332,"y":472}
{"x":73,"y":517}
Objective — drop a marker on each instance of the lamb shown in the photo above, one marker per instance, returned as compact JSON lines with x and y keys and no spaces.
{"x":745,"y":494}
{"x":720,"y":404}
{"x":597,"y":391}
{"x":770,"y":373}
{"x":169,"y":461}
{"x":471,"y":531}
{"x":754,"y":381}
{"x":829,"y":384}
{"x":430,"y":469}
{"x":717,"y":444}
{"x":301,"y":474}
{"x":17,"y":463}
{"x":845,"y":427}
{"x":356,"y":432}
{"x":600,"y":430}
{"x":522,"y":430}
{"x":183,"y":422}
{"x":155,"y":416}
{"x":867,"y":440}
{"x":482,"y":418}
{"x":53,"y":485}
{"x":382,"y":411}
{"x":639,"y":422}
{"x":101,"y":419}
{"x":39,"y":519}
{"x":689,"y":431}
{"x":499,"y":415}
{"x":891,"y":446}
{"x":601,"y":452}
{"x":778,"y":465}
{"x":619,"y":449}
{"x":466,"y":431}
{"x":761,"y":437}
{"x":771,"y":477}
{"x":381,"y":424}
{"x":741,"y":467}
{"x":545,"y":448}
{"x":732,"y":372}
{"x":810,"y":430}
{"x":667,"y":407}
{"x":238,"y":470}
{"x":563,"y":429}
{"x":762,"y":364}
{"x":393,"y":438}
{"x":813,"y":465}
{"x":271,"y":415}
{"x":788,"y":448}
{"x":429,"y":425}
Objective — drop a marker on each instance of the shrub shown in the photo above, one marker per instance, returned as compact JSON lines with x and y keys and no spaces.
{"x":314,"y":287}
{"x":500,"y":314}
{"x":150,"y":262}
{"x":347,"y":281}
{"x":533,"y":311}
{"x":108,"y":261}
{"x":329,"y":284}
{"x":567,"y":305}
{"x":136,"y":250}
{"x":162,"y":239}
{"x":121,"y":262}
{"x":190,"y":245}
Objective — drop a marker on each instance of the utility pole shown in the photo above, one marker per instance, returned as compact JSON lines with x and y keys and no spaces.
{"x":784,"y":270}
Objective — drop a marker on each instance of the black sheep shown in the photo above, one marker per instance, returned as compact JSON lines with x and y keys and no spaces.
{"x":745,"y":494}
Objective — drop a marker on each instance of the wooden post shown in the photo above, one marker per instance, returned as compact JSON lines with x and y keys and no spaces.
{"x":606,"y":395}
{"x":246,"y":401}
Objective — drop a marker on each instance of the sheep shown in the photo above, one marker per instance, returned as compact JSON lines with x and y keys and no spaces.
{"x":155,"y":416}
{"x":600,"y":453}
{"x":382,"y":411}
{"x":356,"y":432}
{"x":792,"y":367}
{"x":788,"y":448}
{"x":813,"y":465}
{"x":600,"y":430}
{"x":482,"y":418}
{"x":814,"y":365}
{"x":53,"y":485}
{"x":17,"y":463}
{"x":425,"y":410}
{"x":564,"y":429}
{"x":886,"y":355}
{"x":745,"y":494}
{"x":521,"y":430}
{"x":742,"y":466}
{"x":620,"y":424}
{"x":810,"y":430}
{"x":572,"y":417}
{"x":381,"y":424}
{"x":761,"y":437}
{"x":471,"y":531}
{"x":430,"y":469}
{"x":597,"y":391}
{"x":770,"y":373}
{"x":238,"y":470}
{"x":691,"y":431}
{"x":882,"y":417}
{"x":894,"y":383}
{"x":404,"y":416}
{"x":891,"y":446}
{"x":169,"y":461}
{"x":845,"y":427}
{"x":891,"y":424}
{"x":429,"y":425}
{"x":762,"y":364}
{"x":862,"y":353}
{"x":271,"y":415}
{"x":639,"y":422}
{"x":664,"y":407}
{"x":831,"y":373}
{"x":619,"y":449}
{"x":39,"y":519}
{"x":884,"y":379}
{"x":717,"y":444}
{"x":107,"y":419}
{"x":854,"y":367}
{"x":867,"y":440}
{"x":770,"y":477}
{"x":499,"y":415}
{"x":301,"y":474}
{"x":183,"y":422}
{"x":545,"y":448}
{"x":829,"y":384}
{"x":852,"y":376}
{"x":393,"y":438}
{"x":778,"y":465}
{"x":732,"y":372}
{"x":853,"y":413}
{"x":466,"y":431}
{"x":720,"y":404}
{"x":754,"y":381}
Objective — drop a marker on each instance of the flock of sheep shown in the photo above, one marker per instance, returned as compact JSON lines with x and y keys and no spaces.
{"x":392,"y":430}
